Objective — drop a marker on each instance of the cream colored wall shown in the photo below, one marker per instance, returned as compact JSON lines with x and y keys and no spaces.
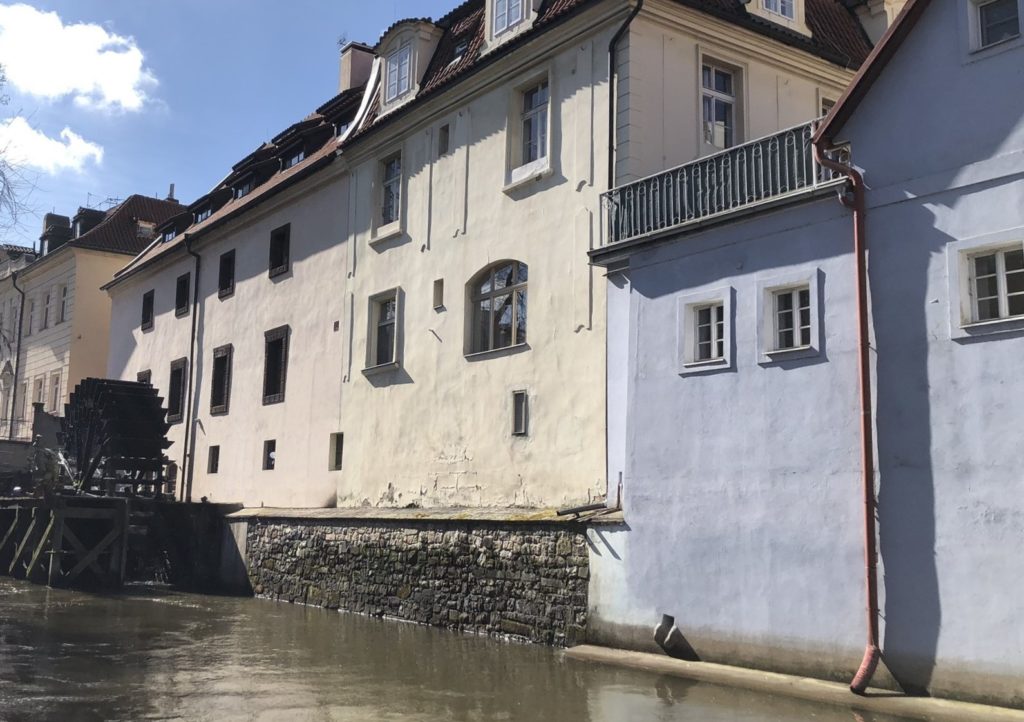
{"x":438,"y":430}
{"x":90,"y":323}
{"x":309,"y":298}
{"x":659,"y":120}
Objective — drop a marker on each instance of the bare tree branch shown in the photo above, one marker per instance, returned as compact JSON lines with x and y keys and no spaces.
{"x":15,"y":185}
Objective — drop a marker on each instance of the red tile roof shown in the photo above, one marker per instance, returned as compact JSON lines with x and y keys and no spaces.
{"x":119,"y":231}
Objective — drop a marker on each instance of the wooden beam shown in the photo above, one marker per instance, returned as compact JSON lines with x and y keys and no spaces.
{"x":38,"y":554}
{"x":91,"y":557}
{"x":29,"y":533}
{"x":10,"y":530}
{"x":80,"y":550}
{"x":56,"y":549}
{"x":82,"y":512}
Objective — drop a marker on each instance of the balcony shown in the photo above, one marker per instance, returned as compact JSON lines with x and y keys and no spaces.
{"x":768,"y":170}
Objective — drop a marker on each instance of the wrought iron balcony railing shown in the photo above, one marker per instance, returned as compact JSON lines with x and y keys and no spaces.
{"x":762,"y":170}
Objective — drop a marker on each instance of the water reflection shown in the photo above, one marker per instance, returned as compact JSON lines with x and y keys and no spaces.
{"x":157,"y":654}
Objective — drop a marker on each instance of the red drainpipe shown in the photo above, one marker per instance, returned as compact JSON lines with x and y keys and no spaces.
{"x":872,"y":653}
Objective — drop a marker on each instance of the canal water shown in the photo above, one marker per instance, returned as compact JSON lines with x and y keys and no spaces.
{"x":154,"y":654}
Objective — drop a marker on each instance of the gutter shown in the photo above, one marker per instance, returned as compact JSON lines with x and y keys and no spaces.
{"x":190,"y":437}
{"x":872,"y":653}
{"x":17,"y":352}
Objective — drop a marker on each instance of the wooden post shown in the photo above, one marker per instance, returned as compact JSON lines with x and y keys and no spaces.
{"x":56,"y":549}
{"x":37,"y":555}
{"x":9,"y":536}
{"x":25,"y":541}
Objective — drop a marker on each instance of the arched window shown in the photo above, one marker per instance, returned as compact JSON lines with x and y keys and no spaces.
{"x":498,"y":306}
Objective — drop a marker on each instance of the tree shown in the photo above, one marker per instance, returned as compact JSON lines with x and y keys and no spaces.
{"x":14,"y":185}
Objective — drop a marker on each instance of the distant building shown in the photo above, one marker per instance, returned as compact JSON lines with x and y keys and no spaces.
{"x":734,"y":406}
{"x":54,"y":319}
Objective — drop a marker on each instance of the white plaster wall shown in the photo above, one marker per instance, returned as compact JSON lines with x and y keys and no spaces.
{"x":308,"y":298}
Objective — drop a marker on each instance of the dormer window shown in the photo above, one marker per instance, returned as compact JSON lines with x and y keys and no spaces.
{"x":398,"y":72}
{"x":460,"y":49}
{"x":785,"y":8}
{"x":507,"y":14}
{"x":294,"y":157}
{"x":168,"y":235}
{"x":245,"y":187}
{"x":203,"y":213}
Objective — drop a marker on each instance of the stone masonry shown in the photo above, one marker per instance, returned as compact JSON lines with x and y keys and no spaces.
{"x":527,"y":581}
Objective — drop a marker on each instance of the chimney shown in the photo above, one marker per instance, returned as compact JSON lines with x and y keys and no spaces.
{"x":356,"y":61}
{"x":56,"y":232}
{"x":170,"y":194}
{"x":86,"y":219}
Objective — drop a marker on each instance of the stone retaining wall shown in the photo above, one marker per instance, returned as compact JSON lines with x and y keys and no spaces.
{"x":523,"y":580}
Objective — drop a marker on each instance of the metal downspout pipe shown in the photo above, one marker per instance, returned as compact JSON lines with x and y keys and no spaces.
{"x":872,"y":652}
{"x":17,"y":353}
{"x":190,"y":437}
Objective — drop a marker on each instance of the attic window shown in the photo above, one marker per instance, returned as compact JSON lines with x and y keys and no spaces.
{"x":294,"y":157}
{"x":507,"y":14}
{"x":398,"y":72}
{"x":460,"y":49}
{"x":168,"y":235}
{"x":245,"y":187}
{"x":203,"y":213}
{"x":785,"y":8}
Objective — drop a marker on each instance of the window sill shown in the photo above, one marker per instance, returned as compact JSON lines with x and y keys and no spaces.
{"x":380,"y":368}
{"x":998,"y":47}
{"x":145,"y":327}
{"x":278,"y":271}
{"x":514,"y":348}
{"x":177,"y":419}
{"x":987,"y":328}
{"x":273,"y":399}
{"x":785,"y":354}
{"x":528,"y":173}
{"x":219,"y":411}
{"x":384,"y":233}
{"x":225,"y":293}
{"x":180,"y":312}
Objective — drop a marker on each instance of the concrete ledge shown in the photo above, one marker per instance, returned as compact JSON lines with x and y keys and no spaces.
{"x":504,"y":515}
{"x":815,"y":690}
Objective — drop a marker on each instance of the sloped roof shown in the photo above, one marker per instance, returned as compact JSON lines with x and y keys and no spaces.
{"x":118,"y":232}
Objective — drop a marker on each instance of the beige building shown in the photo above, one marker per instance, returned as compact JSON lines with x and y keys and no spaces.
{"x":55,"y":320}
{"x":439,"y":326}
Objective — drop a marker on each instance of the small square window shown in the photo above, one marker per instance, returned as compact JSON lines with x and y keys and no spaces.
{"x":789,"y":317}
{"x":203,"y":213}
{"x":176,"y":391}
{"x":181,"y":289}
{"x":997,"y":284}
{"x":705,"y":331}
{"x":226,"y":275}
{"x":269,"y":454}
{"x":220,"y":386}
{"x":144,"y":377}
{"x":147,"y":310}
{"x":280,"y":241}
{"x":293,"y":158}
{"x":439,"y":294}
{"x":520,"y":413}
{"x":213,"y":461}
{"x":792,"y":318}
{"x":443,"y":140}
{"x":337,"y":451}
{"x":245,"y":187}
{"x":997,"y":20}
{"x":275,"y":364}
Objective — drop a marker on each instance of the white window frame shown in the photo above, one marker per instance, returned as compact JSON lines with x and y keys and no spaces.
{"x":520,"y":412}
{"x":520,"y":170}
{"x":30,"y":317}
{"x":393,"y":227}
{"x":736,"y":74}
{"x":502,"y":17}
{"x":767,"y":320}
{"x":778,"y":7}
{"x":47,"y":298}
{"x":39,"y":390}
{"x":54,"y":392}
{"x":475,"y":344}
{"x":960,"y":275}
{"x":395,"y":86}
{"x":688,"y":307}
{"x":374,"y":322}
{"x":976,"y":30}
{"x":63,"y":294}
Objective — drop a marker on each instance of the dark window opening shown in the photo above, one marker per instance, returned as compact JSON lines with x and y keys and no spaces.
{"x":176,"y":391}
{"x":337,"y":451}
{"x":181,"y":289}
{"x":269,"y":454}
{"x":275,"y":364}
{"x":520,"y":413}
{"x":147,"y":310}
{"x":280,"y":239}
{"x":226,"y":277}
{"x":443,"y":139}
{"x":220,"y":391}
{"x":213,"y":463}
{"x":144,"y":377}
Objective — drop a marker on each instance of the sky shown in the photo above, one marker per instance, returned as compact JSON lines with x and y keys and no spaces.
{"x":112,"y":97}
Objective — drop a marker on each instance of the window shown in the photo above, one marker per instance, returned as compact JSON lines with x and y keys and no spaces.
{"x":275,"y":364}
{"x":213,"y":460}
{"x":220,"y":388}
{"x":391,"y":189}
{"x":203,"y":213}
{"x":269,"y":454}
{"x":383,"y":341}
{"x":398,"y":72}
{"x":144,"y":377}
{"x":507,"y":13}
{"x":718,"y":99}
{"x":181,"y":289}
{"x":709,"y":338}
{"x":62,"y":314}
{"x":24,"y":400}
{"x":226,"y":275}
{"x":46,"y":311}
{"x":280,"y":240}
{"x":997,"y":284}
{"x":439,"y":294}
{"x":168,"y":235}
{"x":498,"y":307}
{"x":520,"y":413}
{"x":39,"y":391}
{"x":337,"y":451}
{"x":781,"y":7}
{"x":245,"y":187}
{"x":443,"y":139}
{"x":293,"y":158}
{"x":792,"y":318}
{"x":704,"y":344}
{"x":147,"y":310}
{"x":997,"y":21}
{"x":826,"y":107}
{"x":55,"y":393}
{"x":176,"y":391}
{"x":535,"y":123}
{"x":30,"y":318}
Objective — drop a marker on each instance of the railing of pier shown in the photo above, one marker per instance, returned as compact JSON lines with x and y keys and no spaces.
{"x":762,"y":170}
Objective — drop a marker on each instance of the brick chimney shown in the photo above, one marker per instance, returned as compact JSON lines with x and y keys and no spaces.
{"x":56,"y":232}
{"x":356,"y":61}
{"x":86,"y":219}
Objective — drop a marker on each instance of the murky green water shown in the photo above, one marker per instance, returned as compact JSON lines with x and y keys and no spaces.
{"x":153,"y":654}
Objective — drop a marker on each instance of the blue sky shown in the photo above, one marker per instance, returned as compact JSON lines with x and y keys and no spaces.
{"x":158,"y":92}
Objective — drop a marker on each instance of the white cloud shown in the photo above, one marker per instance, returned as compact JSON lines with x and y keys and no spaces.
{"x":23,"y":145}
{"x":44,"y":57}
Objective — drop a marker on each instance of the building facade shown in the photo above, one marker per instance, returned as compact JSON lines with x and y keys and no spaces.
{"x":734,"y":409}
